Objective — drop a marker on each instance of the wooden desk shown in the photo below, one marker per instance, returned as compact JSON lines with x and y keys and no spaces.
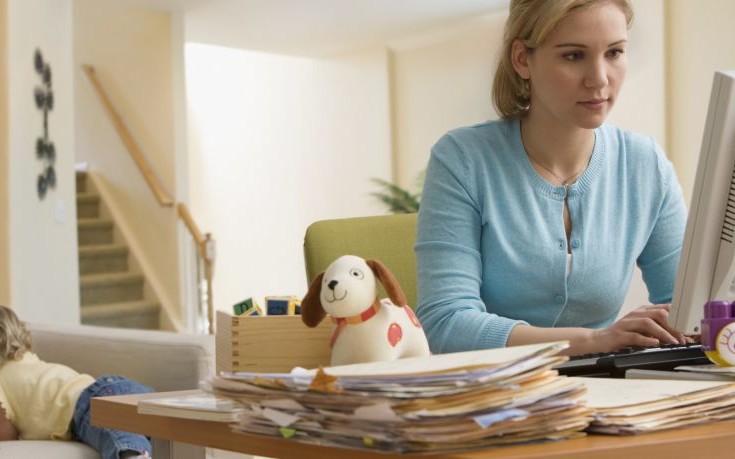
{"x":120,"y":412}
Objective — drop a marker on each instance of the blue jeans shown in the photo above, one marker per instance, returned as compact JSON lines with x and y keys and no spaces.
{"x":110,"y":443}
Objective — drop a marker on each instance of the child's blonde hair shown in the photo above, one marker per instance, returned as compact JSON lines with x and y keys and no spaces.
{"x":15,"y":338}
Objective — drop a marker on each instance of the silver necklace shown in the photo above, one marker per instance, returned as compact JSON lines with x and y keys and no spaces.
{"x":565,"y":181}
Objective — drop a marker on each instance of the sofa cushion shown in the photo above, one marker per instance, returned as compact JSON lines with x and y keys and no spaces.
{"x":163,"y":360}
{"x":27,"y":449}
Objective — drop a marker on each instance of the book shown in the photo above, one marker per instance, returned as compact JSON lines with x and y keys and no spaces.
{"x":202,"y":406}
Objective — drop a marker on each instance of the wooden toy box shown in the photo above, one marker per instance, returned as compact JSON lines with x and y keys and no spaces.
{"x":270,"y":343}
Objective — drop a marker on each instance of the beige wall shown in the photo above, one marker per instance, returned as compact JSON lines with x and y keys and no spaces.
{"x":44,"y":280}
{"x":131,"y":50}
{"x":4,"y":157}
{"x":642,"y":103}
{"x":276,"y":143}
{"x":440,"y":80}
{"x":700,"y":37}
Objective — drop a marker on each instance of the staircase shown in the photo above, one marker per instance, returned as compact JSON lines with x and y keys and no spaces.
{"x":112,"y":290}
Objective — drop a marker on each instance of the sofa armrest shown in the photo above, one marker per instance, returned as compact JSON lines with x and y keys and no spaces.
{"x":163,"y":360}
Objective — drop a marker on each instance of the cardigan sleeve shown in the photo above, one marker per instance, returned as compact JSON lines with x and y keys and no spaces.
{"x":659,"y":259}
{"x":449,"y":263}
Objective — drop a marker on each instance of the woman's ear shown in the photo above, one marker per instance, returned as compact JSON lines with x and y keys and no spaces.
{"x":519,"y":54}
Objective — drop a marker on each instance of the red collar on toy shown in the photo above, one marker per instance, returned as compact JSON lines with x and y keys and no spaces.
{"x":364,"y":316}
{"x":359,"y":318}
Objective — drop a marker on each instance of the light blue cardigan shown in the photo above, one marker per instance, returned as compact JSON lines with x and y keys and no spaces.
{"x":491,"y":246}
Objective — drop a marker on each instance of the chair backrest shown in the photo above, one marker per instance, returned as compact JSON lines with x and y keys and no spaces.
{"x":387,"y":238}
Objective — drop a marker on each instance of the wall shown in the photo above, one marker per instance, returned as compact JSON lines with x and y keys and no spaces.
{"x":441,"y":79}
{"x":642,"y":103}
{"x":4,"y":157}
{"x":277,"y":142}
{"x":700,"y":37}
{"x":44,"y":281}
{"x":187,"y":269}
{"x":131,"y":50}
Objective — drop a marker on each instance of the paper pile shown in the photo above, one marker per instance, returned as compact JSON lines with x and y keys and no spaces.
{"x":633,"y":406}
{"x":440,"y":403}
{"x":714,"y":371}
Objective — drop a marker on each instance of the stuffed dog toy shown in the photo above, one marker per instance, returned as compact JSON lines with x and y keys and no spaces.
{"x":366,"y":329}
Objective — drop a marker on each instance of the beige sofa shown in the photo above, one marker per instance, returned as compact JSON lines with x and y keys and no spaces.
{"x":163,"y":360}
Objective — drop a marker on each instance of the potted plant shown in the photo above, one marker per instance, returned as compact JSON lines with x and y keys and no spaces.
{"x":397,"y":199}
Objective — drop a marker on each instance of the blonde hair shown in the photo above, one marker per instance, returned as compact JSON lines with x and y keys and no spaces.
{"x":531,"y":21}
{"x":15,"y":338}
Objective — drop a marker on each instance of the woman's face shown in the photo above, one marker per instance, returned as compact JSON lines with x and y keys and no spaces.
{"x":577,"y":72}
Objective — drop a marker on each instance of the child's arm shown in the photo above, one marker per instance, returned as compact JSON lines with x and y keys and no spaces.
{"x":7,"y":429}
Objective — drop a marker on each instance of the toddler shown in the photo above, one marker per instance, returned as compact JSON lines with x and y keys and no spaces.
{"x":48,"y":401}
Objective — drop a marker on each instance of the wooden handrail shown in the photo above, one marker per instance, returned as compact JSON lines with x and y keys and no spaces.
{"x":204,"y":243}
{"x":140,"y":160}
{"x":186,"y":217}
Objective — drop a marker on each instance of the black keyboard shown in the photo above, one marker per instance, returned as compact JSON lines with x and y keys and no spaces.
{"x":615,"y":364}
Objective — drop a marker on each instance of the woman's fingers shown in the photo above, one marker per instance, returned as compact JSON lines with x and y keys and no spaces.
{"x":645,"y":326}
{"x":638,"y":340}
{"x":649,"y":326}
{"x":659,"y":313}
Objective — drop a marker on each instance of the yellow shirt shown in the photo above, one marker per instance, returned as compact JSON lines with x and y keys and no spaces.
{"x":39,"y":397}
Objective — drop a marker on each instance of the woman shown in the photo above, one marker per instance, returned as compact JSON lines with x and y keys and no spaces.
{"x":530,"y":226}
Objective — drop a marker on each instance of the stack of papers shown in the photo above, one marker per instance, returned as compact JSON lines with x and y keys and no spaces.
{"x":634,"y":406}
{"x":716,"y":371}
{"x":440,"y":403}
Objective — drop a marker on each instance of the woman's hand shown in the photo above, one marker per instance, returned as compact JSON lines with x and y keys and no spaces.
{"x":646,"y":326}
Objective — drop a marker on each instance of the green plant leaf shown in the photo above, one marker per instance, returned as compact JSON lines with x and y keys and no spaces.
{"x":397,"y":199}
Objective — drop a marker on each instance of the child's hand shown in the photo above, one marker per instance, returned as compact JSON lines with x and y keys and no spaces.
{"x":7,"y":429}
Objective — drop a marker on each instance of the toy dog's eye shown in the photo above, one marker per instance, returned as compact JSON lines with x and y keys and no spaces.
{"x":356,"y":273}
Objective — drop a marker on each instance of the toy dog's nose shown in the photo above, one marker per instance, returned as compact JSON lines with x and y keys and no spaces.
{"x":332,"y":284}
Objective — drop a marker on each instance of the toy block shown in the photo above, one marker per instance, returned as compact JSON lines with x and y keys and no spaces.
{"x":247,"y":307}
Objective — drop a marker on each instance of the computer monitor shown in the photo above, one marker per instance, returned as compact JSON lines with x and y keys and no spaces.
{"x":707,"y":266}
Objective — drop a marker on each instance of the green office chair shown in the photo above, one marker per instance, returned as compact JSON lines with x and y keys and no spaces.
{"x":388,"y":238}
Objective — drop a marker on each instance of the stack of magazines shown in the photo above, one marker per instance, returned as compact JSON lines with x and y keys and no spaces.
{"x":444,"y":402}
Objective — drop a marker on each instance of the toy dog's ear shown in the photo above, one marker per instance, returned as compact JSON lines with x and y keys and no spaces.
{"x":312,"y":311}
{"x":389,"y":281}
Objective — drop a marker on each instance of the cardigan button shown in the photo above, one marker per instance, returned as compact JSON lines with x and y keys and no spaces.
{"x":576,"y":243}
{"x":559,"y":299}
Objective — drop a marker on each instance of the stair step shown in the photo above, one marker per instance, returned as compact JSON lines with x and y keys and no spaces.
{"x":88,"y":205}
{"x":103,"y":258}
{"x":132,"y":314}
{"x":94,"y":231}
{"x":81,"y":182}
{"x":110,"y":288}
{"x":110,"y":295}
